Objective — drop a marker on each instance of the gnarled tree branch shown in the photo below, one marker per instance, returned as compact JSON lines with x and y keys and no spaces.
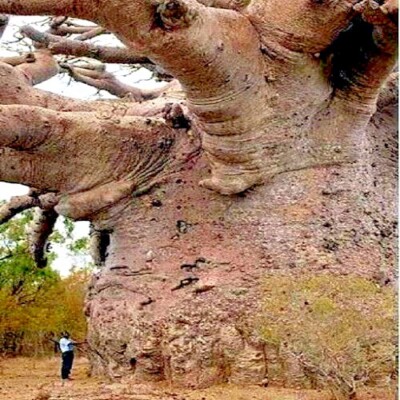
{"x":39,"y":231}
{"x":16,"y":205}
{"x":126,"y":155}
{"x":17,"y":89}
{"x":106,"y":54}
{"x":104,"y":80}
{"x":300,"y":25}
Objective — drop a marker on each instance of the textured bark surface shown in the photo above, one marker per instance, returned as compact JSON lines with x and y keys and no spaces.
{"x":274,"y":108}
{"x":147,"y":320}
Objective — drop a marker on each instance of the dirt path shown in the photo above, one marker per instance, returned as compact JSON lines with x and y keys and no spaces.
{"x":38,"y":379}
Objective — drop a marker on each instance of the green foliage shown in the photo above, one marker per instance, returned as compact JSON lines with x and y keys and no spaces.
{"x":19,"y":276}
{"x":37,"y":304}
{"x":342,"y":329}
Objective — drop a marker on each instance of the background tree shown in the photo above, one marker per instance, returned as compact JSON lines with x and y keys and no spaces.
{"x":273,"y":147}
{"x":36,"y":303}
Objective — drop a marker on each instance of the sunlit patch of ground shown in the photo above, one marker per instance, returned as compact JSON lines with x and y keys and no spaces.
{"x":38,"y":379}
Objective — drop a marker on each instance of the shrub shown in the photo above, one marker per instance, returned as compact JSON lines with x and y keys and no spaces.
{"x":341,"y":329}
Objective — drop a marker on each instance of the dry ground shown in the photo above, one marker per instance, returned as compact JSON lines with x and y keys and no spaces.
{"x":37,"y":379}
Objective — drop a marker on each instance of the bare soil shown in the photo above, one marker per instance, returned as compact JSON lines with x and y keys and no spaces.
{"x":38,"y":379}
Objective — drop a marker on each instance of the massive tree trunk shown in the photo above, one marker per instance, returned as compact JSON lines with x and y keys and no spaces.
{"x":278,"y":156}
{"x":181,"y":293}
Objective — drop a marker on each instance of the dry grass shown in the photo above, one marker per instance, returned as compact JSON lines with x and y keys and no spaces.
{"x":38,"y":379}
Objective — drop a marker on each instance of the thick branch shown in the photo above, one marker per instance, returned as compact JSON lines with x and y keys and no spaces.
{"x":29,"y":70}
{"x":300,"y":25}
{"x":41,"y":228}
{"x":16,"y":205}
{"x":82,"y":8}
{"x":106,"y":54}
{"x":17,"y":89}
{"x":126,"y":155}
{"x":209,"y":40}
{"x":19,"y":59}
{"x":208,"y":51}
{"x":40,"y":67}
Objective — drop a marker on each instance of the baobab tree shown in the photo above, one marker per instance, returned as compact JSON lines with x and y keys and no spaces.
{"x":271,"y":147}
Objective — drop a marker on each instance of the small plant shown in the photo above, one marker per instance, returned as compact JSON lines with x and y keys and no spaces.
{"x":341,"y":329}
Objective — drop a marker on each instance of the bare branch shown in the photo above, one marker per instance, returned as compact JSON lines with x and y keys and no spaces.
{"x":106,"y":81}
{"x":66,"y":29}
{"x":17,"y":89}
{"x":106,"y":54}
{"x":57,"y":21}
{"x":16,"y":205}
{"x":90,"y":34}
{"x":36,"y":67}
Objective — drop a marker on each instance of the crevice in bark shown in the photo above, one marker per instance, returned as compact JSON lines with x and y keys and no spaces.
{"x":185,"y":282}
{"x":349,"y":54}
{"x":99,"y":242}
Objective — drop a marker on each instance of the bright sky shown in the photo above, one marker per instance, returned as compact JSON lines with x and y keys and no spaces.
{"x":63,"y":85}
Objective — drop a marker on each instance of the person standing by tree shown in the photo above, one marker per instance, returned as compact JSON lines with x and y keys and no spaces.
{"x":67,"y":355}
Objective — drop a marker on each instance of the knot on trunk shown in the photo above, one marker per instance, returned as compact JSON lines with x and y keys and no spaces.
{"x":174,"y":115}
{"x":174,"y":14}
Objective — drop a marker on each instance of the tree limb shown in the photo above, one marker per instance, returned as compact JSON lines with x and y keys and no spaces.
{"x":19,"y":59}
{"x":127,"y":154}
{"x":39,"y":67}
{"x":106,"y":54}
{"x":66,"y":29}
{"x":307,"y":26}
{"x":106,"y":81}
{"x":16,"y":205}
{"x":217,"y":88}
{"x":17,"y":89}
{"x":41,"y":228}
{"x":92,"y":33}
{"x":86,"y":9}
